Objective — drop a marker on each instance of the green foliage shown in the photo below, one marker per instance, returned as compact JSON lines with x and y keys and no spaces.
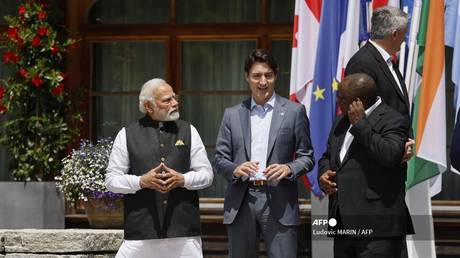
{"x":34,"y":98}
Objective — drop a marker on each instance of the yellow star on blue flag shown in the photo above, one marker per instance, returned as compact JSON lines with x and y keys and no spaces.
{"x":319,"y":93}
{"x":335,"y":85}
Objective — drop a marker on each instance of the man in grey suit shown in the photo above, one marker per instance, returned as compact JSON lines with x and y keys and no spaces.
{"x":262,"y":148}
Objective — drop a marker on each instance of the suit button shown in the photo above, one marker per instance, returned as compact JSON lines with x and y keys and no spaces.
{"x":162,"y":158}
{"x":165,"y":202}
{"x":162,"y":145}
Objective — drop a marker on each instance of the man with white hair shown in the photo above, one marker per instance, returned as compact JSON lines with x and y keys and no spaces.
{"x":159,"y":162}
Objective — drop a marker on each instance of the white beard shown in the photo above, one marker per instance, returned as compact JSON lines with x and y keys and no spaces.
{"x":163,"y":116}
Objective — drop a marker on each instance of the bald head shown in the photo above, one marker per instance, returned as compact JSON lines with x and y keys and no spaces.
{"x":357,"y":86}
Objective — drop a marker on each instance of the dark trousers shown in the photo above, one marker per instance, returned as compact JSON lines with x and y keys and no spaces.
{"x":254,"y":219}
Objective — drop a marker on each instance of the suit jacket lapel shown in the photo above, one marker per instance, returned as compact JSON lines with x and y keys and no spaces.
{"x":339,"y":134}
{"x":403,"y":86}
{"x":386,"y":70}
{"x":245,"y":119}
{"x":278,"y":115}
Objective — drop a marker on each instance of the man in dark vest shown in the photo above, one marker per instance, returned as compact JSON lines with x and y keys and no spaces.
{"x":159,"y":162}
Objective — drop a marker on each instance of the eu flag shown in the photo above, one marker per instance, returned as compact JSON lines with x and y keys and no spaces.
{"x":323,"y":109}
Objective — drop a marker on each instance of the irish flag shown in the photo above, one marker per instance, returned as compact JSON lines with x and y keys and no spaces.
{"x":429,"y":110}
{"x":428,"y":124}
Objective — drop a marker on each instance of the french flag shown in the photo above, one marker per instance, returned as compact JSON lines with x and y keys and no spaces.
{"x":326,"y":35}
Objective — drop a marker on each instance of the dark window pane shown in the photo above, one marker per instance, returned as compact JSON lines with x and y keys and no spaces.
{"x":281,"y":11}
{"x":8,"y":7}
{"x":111,"y":113}
{"x":205,"y":113}
{"x":130,"y":12}
{"x":214,"y":65}
{"x":126,"y":66}
{"x":281,"y":50}
{"x":219,"y":184}
{"x":218,"y":11}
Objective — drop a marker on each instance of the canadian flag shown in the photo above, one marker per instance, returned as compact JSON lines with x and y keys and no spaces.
{"x":304,"y":44}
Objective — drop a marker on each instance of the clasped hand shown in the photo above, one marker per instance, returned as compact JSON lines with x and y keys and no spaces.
{"x":162,"y":179}
{"x":274,"y":172}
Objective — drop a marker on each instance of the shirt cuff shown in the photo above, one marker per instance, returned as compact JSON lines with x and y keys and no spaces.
{"x":187,"y":180}
{"x":136,"y":183}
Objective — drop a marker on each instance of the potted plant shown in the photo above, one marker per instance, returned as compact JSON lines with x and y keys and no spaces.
{"x":35,"y":104}
{"x":82,"y":179}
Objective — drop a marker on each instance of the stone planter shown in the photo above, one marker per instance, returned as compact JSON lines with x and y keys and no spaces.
{"x":104,"y":213}
{"x":31,"y":205}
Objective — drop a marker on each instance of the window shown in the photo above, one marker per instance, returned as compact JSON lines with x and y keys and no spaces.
{"x":120,"y":68}
{"x":281,"y":11}
{"x":130,"y":12}
{"x":218,"y":11}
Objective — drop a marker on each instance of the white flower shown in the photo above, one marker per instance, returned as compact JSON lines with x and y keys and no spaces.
{"x":84,"y":170}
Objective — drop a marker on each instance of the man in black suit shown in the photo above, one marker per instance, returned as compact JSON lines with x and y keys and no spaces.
{"x":455,"y":148}
{"x":389,"y":26}
{"x":363,"y":175}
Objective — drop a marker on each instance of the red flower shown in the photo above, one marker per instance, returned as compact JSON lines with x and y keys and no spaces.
{"x":2,"y":91}
{"x":2,"y":108}
{"x":20,"y":43}
{"x":22,"y":9}
{"x":41,"y":15}
{"x":58,"y":90}
{"x":42,"y":31}
{"x":23,"y":72}
{"x":10,"y":57}
{"x":37,"y":81}
{"x":36,"y":42}
{"x":12,"y":33}
{"x":54,"y":50}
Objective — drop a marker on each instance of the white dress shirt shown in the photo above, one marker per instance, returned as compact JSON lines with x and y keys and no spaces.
{"x":261,"y":118}
{"x":387,"y":58}
{"x":349,"y":137}
{"x":118,"y":180}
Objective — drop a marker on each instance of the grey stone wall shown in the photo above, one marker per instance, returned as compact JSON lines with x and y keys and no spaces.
{"x":48,"y":243}
{"x":31,"y":205}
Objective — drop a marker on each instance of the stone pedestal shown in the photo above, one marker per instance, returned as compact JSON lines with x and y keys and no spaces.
{"x":31,"y":205}
{"x":72,"y":243}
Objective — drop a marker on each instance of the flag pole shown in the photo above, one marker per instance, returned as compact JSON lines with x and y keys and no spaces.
{"x":413,"y":52}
